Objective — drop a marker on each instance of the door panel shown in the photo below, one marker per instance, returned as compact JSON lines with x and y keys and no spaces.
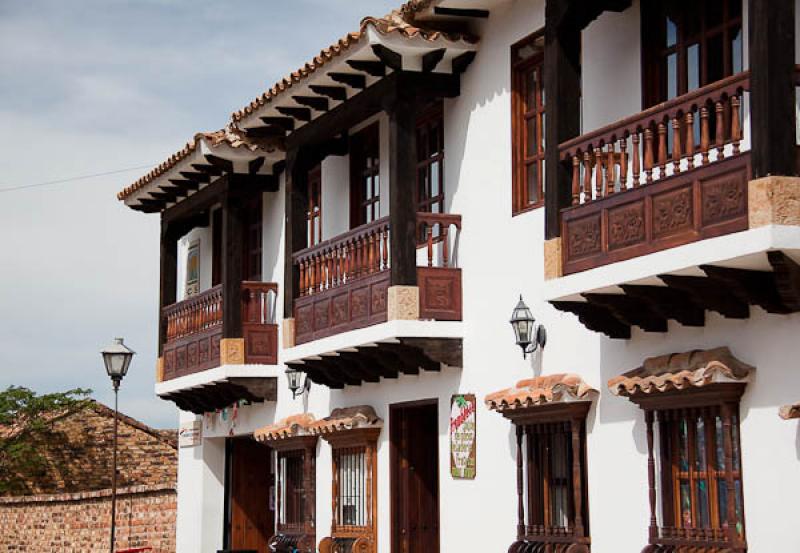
{"x":252,"y":520}
{"x":415,"y":479}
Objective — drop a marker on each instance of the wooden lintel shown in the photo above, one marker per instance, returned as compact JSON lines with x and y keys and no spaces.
{"x":374,"y":68}
{"x":337,"y":93}
{"x":388,"y":56}
{"x":431,"y":59}
{"x":353,"y":80}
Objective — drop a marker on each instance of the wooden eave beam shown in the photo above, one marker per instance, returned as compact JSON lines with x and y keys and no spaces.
{"x":286,"y":123}
{"x":668,"y":302}
{"x":222,"y":163}
{"x":145,"y":208}
{"x":708,"y":294}
{"x":164,"y":196}
{"x":337,"y":93}
{"x":431,"y":59}
{"x":787,"y":279}
{"x":197,"y":177}
{"x":316,"y":103}
{"x":753,"y":287}
{"x":207,"y":168}
{"x":630,"y":311}
{"x":596,"y":317}
{"x":388,"y":56}
{"x":255,"y":164}
{"x":185,"y":184}
{"x":374,"y":68}
{"x":461,"y":12}
{"x":199,"y":201}
{"x":352,"y":80}
{"x":301,"y":114}
{"x":462,"y":61}
{"x":268,"y":131}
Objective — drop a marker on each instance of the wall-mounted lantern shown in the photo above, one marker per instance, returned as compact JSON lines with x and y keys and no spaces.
{"x":295,"y":386}
{"x":530,"y":336}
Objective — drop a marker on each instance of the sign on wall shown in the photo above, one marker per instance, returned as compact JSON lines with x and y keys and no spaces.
{"x":462,"y":436}
{"x":190,"y":434}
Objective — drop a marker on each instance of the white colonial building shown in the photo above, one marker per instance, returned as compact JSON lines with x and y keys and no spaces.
{"x":340,"y":263}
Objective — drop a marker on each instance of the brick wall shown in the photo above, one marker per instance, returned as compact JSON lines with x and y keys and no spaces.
{"x":80,"y":522}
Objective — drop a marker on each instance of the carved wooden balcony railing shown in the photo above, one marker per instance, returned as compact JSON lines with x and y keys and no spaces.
{"x":701,"y":540}
{"x":344,"y":281}
{"x":672,"y":174}
{"x":550,"y":540}
{"x":195,"y":328}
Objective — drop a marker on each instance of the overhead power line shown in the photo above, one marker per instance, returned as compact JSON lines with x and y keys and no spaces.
{"x":71,"y":179}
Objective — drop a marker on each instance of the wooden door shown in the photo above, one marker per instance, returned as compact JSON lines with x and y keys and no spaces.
{"x":252,"y":520}
{"x":415,"y":478}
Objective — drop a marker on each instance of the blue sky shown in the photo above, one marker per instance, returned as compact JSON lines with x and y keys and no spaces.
{"x":91,"y":86}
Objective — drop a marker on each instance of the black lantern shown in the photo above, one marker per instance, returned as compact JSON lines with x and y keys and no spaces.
{"x":530,"y":336}
{"x":294,"y":377}
{"x":117,"y":358}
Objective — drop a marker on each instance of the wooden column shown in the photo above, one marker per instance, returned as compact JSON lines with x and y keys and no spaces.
{"x":771,"y":43}
{"x":232,"y":263}
{"x":651,"y":476}
{"x":402,"y":109}
{"x":562,"y":81}
{"x":168,"y":280}
{"x":520,"y":485}
{"x":296,"y":203}
{"x":727,"y":441}
{"x":577,"y":478}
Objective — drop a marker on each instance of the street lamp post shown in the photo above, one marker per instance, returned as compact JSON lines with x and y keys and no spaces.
{"x":117,"y":358}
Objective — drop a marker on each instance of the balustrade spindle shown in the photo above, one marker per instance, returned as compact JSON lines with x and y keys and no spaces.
{"x":705,"y":138}
{"x":385,"y":249}
{"x":445,"y":245}
{"x":611,"y":177}
{"x":689,"y":140}
{"x":623,"y":164}
{"x":429,"y":232}
{"x":598,"y":174}
{"x":648,"y":155}
{"x":720,"y":138}
{"x":587,"y":177}
{"x":575,"y":180}
{"x":736,"y":130}
{"x":662,"y":150}
{"x":676,"y":145}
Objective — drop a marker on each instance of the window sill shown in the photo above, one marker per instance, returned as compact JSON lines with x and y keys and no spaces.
{"x":527,"y":209}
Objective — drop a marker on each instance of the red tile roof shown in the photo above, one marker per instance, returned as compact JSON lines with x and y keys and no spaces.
{"x":290,"y":427}
{"x":680,"y":371}
{"x":790,"y":411}
{"x":542,"y":390}
{"x":347,"y":418}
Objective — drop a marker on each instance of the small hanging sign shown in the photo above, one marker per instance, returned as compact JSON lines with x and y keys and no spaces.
{"x":463,"y":409}
{"x":190,"y":434}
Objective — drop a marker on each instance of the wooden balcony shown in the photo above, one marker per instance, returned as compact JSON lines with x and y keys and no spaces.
{"x":344,"y":282}
{"x":195,"y":329}
{"x":673,"y":174}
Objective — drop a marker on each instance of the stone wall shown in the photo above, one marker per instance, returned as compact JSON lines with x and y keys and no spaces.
{"x":80,"y":522}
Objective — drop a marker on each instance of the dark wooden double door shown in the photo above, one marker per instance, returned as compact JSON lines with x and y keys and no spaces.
{"x":415,"y":478}
{"x":250,"y":510}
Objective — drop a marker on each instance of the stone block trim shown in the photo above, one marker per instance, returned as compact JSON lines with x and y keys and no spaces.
{"x":403,"y":303}
{"x":774,"y":201}
{"x":553,"y":264}
{"x":231,"y":351}
{"x":288,"y":334}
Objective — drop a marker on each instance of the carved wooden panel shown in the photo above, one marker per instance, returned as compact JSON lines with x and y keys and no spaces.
{"x":261,"y":343}
{"x":439,"y":293}
{"x":192,"y":354}
{"x":626,"y":225}
{"x":355,"y":305}
{"x":673,"y":211}
{"x":702,"y":203}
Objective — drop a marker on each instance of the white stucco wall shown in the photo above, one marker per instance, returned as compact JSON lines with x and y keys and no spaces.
{"x":501,"y":257}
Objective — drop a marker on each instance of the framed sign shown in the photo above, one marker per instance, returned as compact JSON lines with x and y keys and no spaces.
{"x":193,"y":269}
{"x":190,"y":434}
{"x":463,"y":436}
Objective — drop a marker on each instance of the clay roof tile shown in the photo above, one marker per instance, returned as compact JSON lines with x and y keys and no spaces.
{"x":347,"y":418}
{"x":541,"y":390}
{"x":790,"y":411}
{"x":290,"y":427}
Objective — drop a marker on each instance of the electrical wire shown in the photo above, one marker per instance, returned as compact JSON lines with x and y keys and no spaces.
{"x":72,"y":179}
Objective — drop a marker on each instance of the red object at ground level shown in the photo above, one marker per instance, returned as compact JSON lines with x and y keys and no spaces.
{"x":135,"y":550}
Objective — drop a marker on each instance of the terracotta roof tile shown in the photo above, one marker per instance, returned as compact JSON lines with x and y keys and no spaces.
{"x":290,"y":427}
{"x":347,"y":418}
{"x":398,"y":21}
{"x":680,"y":371}
{"x":542,"y":390}
{"x":790,"y":411}
{"x":229,"y":136}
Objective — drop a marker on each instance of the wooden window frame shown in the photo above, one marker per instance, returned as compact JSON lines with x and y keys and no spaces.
{"x":521,"y":113}
{"x":535,"y":524}
{"x":366,"y":441}
{"x":655,"y":51}
{"x":301,"y":535}
{"x":365,"y":145}
{"x":431,"y":118}
{"x":314,"y":210}
{"x":253,"y":240}
{"x":661,"y":412}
